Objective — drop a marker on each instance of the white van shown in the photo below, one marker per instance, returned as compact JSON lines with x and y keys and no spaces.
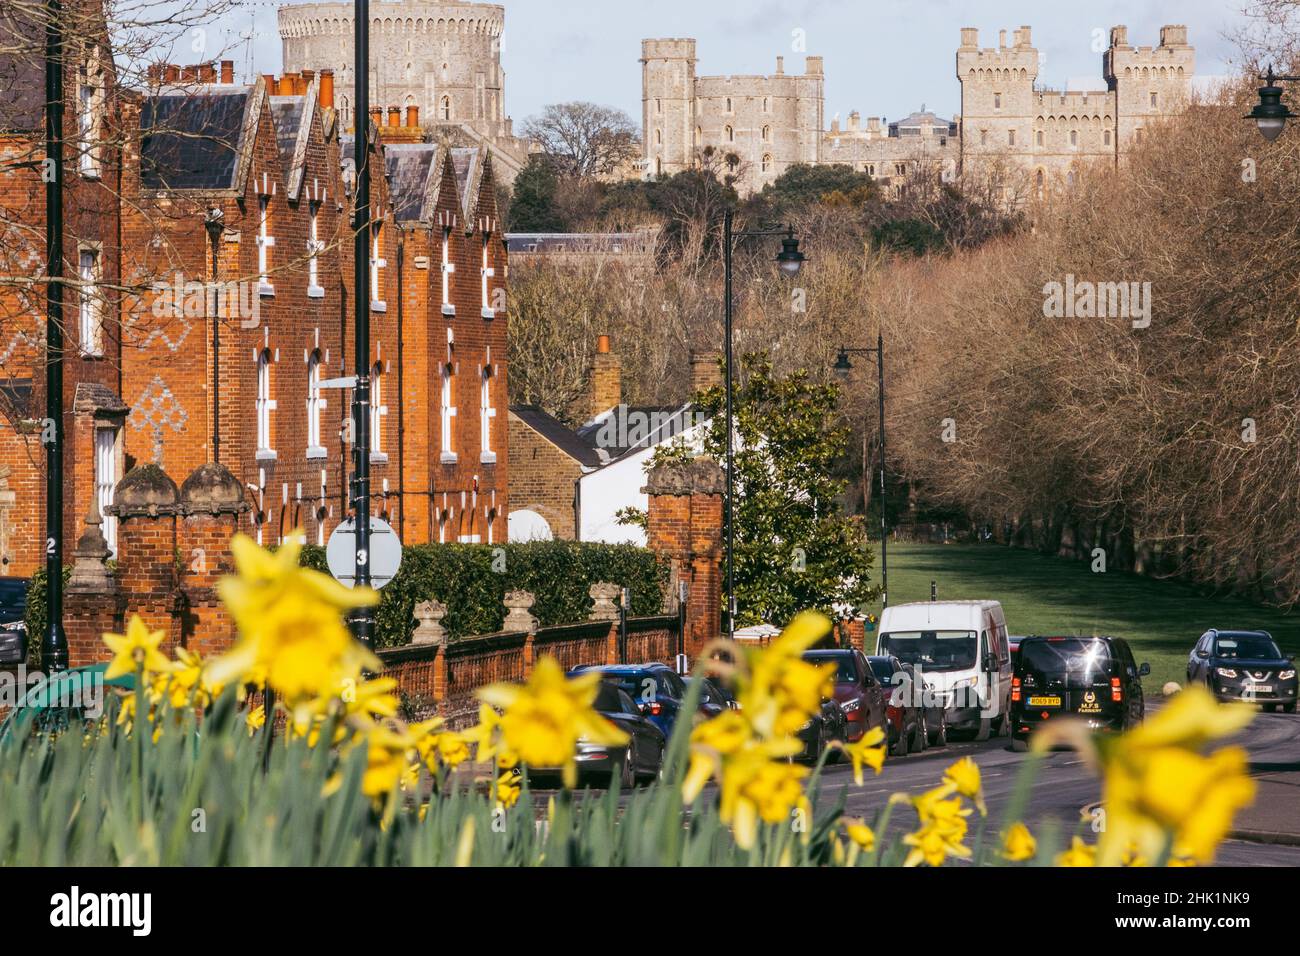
{"x":960,"y":653}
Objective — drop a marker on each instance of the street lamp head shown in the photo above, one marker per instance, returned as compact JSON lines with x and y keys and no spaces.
{"x":214,"y":221}
{"x":789,"y":259}
{"x":842,"y":365}
{"x":1270,"y":114}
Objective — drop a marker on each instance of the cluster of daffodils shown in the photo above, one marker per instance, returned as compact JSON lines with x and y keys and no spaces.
{"x":748,"y":751}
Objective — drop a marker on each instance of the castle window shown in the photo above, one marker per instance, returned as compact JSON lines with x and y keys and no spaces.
{"x":871,"y":169}
{"x":447,"y":410}
{"x":730,"y":134}
{"x":377,"y":264}
{"x":767,"y":162}
{"x":1138,"y":134}
{"x":1011,"y":137}
{"x":265,"y":405}
{"x":378,"y":410}
{"x":900,"y":169}
{"x":997,"y":101}
{"x":767,"y":104}
{"x":984,"y":137}
{"x":448,"y":267}
{"x":1040,"y":182}
{"x":1039,"y":138}
{"x":446,"y":108}
{"x":265,"y":242}
{"x":659,"y":137}
{"x":90,"y":311}
{"x":1155,"y":100}
{"x":767,"y":134}
{"x":1074,"y":137}
{"x":729,"y":105}
{"x":659,"y":106}
{"x":487,"y":411}
{"x":106,"y":478}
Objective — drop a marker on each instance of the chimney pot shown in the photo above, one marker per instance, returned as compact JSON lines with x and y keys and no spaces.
{"x":413,"y":116}
{"x":394,"y":116}
{"x":207,"y":73}
{"x":606,"y":379}
{"x":227,"y":72}
{"x":173,"y":73}
{"x":327,"y":89}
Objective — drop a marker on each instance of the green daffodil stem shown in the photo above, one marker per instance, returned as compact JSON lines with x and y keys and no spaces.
{"x":139,"y":728}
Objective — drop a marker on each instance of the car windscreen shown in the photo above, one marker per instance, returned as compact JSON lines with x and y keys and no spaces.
{"x":846,"y":672}
{"x":1246,"y":647}
{"x":933,"y":650}
{"x":607,"y":700}
{"x":882,"y":667}
{"x":1074,"y":660}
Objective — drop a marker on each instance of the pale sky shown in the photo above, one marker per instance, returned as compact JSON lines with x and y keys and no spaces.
{"x":882,"y":57}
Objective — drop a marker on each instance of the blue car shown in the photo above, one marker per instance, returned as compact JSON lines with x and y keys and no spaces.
{"x":656,"y":688}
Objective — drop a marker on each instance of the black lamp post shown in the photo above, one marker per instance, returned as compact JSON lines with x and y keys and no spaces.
{"x":54,"y":642}
{"x":1271,"y":114}
{"x":842,"y":368}
{"x":214,"y":221}
{"x":788,"y":260}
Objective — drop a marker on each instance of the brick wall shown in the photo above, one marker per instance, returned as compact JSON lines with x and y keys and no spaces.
{"x":544,"y":479}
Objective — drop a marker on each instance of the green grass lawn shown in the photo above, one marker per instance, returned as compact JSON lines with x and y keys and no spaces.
{"x":1046,"y":595}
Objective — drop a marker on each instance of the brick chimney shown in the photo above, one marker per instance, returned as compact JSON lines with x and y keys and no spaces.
{"x":327,"y":89}
{"x":227,"y":72}
{"x":606,"y":379}
{"x":207,"y":73}
{"x":705,"y":371}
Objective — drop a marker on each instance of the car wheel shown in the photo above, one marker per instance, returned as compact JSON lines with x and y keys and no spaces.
{"x":1019,"y":744}
{"x":900,"y":745}
{"x":1288,"y":708}
{"x":986,"y":729}
{"x":919,"y":735}
{"x":939,"y":738}
{"x":627,"y":772}
{"x":657,"y":773}
{"x":1270,"y":708}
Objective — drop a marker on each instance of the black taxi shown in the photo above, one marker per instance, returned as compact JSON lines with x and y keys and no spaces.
{"x":1094,"y":679}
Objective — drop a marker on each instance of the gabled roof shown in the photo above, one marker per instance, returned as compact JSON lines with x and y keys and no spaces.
{"x":414,"y":179}
{"x":643,"y":426}
{"x":198,"y":138}
{"x":293,"y":117}
{"x":560,"y":435}
{"x":467,"y":162}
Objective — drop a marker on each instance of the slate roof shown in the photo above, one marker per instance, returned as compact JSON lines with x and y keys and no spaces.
{"x":560,"y":435}
{"x":467,"y":162}
{"x":414,"y":174}
{"x":668,"y":421}
{"x":193,"y":139}
{"x":22,"y":73}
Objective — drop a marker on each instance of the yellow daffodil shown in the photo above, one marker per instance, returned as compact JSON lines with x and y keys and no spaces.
{"x":255,"y":719}
{"x":860,"y":833}
{"x":868,"y":751}
{"x":933,"y":843}
{"x":1018,"y":844}
{"x":781,"y":691}
{"x":544,"y":719}
{"x":964,"y":775}
{"x":755,"y":787}
{"x":137,"y":647}
{"x":387,"y":758}
{"x":508,"y":787}
{"x":1161,"y":793}
{"x":1079,"y":854}
{"x":290,"y":623}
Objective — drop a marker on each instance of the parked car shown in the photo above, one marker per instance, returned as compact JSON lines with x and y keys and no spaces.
{"x":960,"y":648}
{"x":13,"y":620}
{"x":714,"y":698}
{"x":1244,"y":665}
{"x":818,"y":734}
{"x":905,"y":705}
{"x":1092,"y":678}
{"x":857,"y":690}
{"x":905,"y":690}
{"x":657,"y":686}
{"x":640,"y":760}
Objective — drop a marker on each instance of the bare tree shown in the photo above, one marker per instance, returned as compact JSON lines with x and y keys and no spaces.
{"x":584,"y":139}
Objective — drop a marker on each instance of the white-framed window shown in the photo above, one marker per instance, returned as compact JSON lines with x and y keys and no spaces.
{"x":377,"y":265}
{"x":265,"y":405}
{"x":316,"y":403}
{"x":90,"y":111}
{"x":447,"y":402}
{"x":378,"y":411}
{"x":90,"y":309}
{"x":487,"y":272}
{"x":265,"y":243}
{"x":106,"y":478}
{"x":448,"y":269}
{"x":314,"y":248}
{"x":487,"y":410}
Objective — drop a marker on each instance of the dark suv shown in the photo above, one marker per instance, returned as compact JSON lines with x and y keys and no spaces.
{"x":1094,"y":679}
{"x":1244,"y":665}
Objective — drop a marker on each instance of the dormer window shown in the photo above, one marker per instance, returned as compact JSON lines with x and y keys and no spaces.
{"x":377,"y":265}
{"x":448,"y":269}
{"x":487,"y":272}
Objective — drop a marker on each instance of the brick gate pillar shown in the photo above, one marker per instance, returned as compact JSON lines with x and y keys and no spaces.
{"x":212,"y":504}
{"x":684,"y":524}
{"x":146,"y":504}
{"x":93,"y":602}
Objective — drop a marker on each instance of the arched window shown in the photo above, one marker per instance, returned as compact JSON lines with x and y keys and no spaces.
{"x":729,"y":134}
{"x":445,"y":108}
{"x":767,"y":162}
{"x":1074,"y":137}
{"x":377,"y":410}
{"x":767,"y":134}
{"x":314,"y":403}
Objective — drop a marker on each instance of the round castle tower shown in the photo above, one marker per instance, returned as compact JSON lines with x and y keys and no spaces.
{"x":443,"y":58}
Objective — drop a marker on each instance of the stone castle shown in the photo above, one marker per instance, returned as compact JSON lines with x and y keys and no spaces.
{"x":1023,"y":138}
{"x":439,"y":61}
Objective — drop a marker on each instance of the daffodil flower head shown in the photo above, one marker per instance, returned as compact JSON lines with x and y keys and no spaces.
{"x":137,"y":648}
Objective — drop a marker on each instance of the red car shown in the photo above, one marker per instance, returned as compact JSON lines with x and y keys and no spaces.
{"x":857,"y":691}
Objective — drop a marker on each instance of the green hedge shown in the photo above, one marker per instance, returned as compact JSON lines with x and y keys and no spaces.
{"x":472,"y":579}
{"x":35,"y":616}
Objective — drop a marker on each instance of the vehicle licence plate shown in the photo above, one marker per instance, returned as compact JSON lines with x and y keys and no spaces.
{"x":1258,"y":689}
{"x":1044,"y":702}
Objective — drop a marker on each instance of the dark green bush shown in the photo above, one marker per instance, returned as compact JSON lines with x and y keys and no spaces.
{"x":35,"y":616}
{"x":472,"y":579}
